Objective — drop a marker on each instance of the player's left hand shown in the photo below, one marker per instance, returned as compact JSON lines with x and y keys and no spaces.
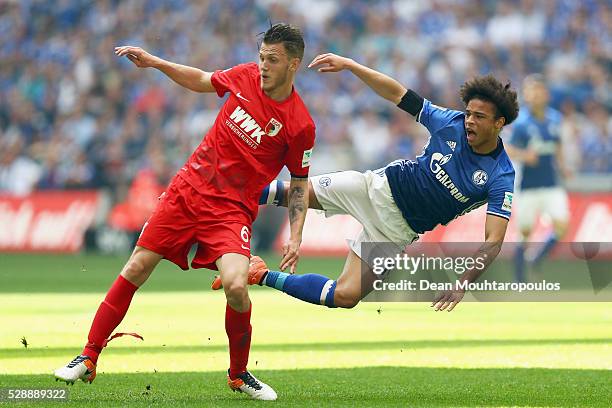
{"x":447,"y":299}
{"x":330,"y":62}
{"x":291,"y":255}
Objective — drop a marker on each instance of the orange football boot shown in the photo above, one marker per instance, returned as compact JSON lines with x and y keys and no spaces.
{"x":257,"y":270}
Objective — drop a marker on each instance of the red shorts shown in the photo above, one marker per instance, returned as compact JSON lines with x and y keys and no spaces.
{"x":184,"y":217}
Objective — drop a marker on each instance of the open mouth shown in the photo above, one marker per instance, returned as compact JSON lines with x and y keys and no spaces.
{"x":471,"y":135}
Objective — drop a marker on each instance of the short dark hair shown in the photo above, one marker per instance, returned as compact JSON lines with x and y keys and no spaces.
{"x":489,"y":89}
{"x":290,"y":36}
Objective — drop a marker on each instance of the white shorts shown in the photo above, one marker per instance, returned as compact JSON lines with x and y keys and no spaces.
{"x":367,"y":197}
{"x":546,"y":201}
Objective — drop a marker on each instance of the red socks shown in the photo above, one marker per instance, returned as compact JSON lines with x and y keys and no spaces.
{"x":115,"y":306}
{"x":238,"y":329}
{"x":109,"y":315}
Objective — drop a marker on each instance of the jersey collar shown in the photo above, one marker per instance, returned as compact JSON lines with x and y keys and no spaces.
{"x":493,"y":154}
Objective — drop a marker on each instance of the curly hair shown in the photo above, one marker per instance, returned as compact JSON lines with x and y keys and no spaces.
{"x":290,"y":36}
{"x":487,"y":88}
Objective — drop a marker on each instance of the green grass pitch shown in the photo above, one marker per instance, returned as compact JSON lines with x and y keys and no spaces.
{"x":378,"y":354}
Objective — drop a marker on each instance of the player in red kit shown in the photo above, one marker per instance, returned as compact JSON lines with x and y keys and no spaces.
{"x":213,"y":199}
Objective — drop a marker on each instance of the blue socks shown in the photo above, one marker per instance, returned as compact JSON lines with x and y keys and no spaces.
{"x":273,"y":193}
{"x":311,"y":288}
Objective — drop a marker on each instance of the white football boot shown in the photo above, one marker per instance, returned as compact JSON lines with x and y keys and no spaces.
{"x":251,"y":386}
{"x":81,"y":368}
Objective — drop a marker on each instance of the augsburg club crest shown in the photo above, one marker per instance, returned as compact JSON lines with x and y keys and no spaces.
{"x":273,"y":127}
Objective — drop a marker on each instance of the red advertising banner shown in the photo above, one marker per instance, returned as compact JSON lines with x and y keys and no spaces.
{"x":50,"y":221}
{"x":590,"y":221}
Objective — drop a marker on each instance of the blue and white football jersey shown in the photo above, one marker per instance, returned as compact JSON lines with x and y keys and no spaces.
{"x":449,"y":179}
{"x":543,"y":136}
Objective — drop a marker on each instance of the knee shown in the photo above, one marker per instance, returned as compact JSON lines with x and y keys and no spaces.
{"x":235,"y":289}
{"x":237,"y":296}
{"x":135,"y":270}
{"x":345,"y":299}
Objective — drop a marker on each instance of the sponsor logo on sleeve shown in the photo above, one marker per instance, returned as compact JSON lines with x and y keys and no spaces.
{"x":306,"y":158}
{"x":507,"y":205}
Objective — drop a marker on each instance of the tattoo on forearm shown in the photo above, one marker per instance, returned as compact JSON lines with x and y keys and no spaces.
{"x":297,"y":204}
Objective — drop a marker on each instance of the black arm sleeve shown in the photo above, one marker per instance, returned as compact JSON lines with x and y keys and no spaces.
{"x":411,"y":102}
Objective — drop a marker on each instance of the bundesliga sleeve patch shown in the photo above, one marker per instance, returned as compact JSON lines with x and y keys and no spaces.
{"x":306,"y":158}
{"x":507,"y":205}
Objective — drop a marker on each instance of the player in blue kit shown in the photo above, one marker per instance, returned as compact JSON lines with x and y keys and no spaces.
{"x":536,"y":145}
{"x":463,"y":166}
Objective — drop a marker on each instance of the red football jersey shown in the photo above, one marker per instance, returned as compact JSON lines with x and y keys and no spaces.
{"x":251,"y":140}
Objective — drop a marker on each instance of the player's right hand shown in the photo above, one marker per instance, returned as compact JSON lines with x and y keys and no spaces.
{"x":137,"y":55}
{"x":331,"y":62}
{"x":291,"y":255}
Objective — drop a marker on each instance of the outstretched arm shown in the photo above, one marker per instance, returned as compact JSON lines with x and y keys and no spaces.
{"x":189,"y":77}
{"x":297,"y":206}
{"x":495,"y":231}
{"x":382,"y":84}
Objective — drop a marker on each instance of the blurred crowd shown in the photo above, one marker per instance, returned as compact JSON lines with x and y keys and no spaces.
{"x":72,"y":115}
